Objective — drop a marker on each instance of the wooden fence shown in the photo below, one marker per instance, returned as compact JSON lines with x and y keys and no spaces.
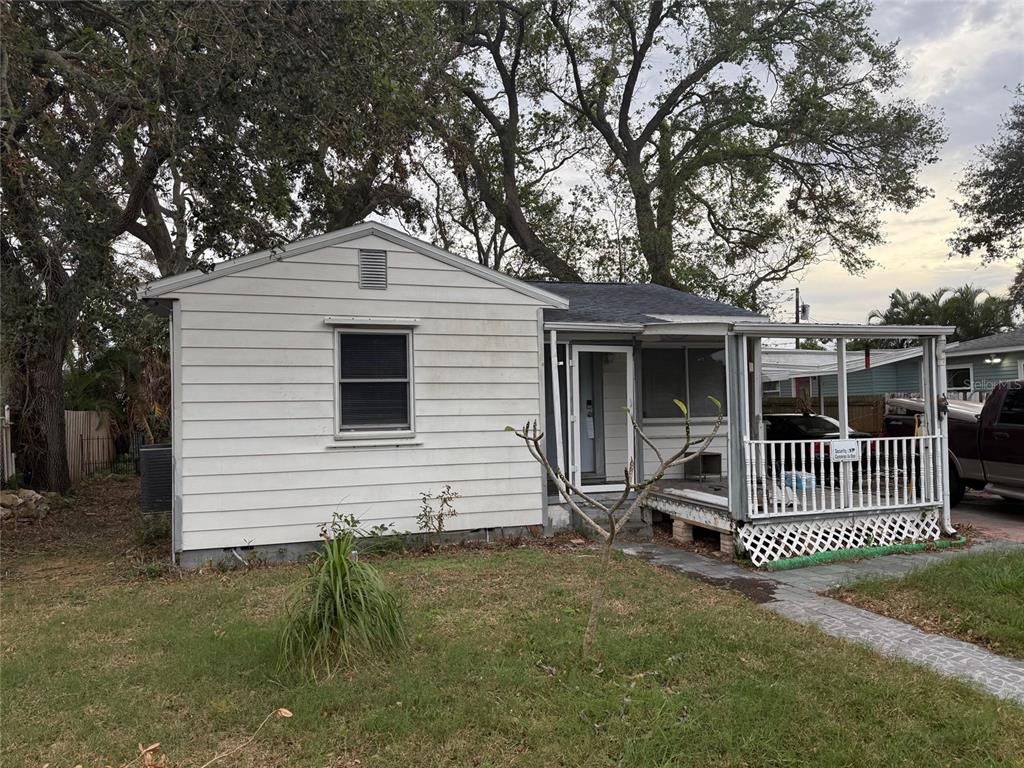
{"x":90,"y":445}
{"x":7,"y":467}
{"x":866,"y":412}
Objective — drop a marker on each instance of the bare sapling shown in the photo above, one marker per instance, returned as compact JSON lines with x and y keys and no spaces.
{"x":606,"y":520}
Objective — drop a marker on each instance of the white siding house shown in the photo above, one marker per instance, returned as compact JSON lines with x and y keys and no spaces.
{"x":350,"y":373}
{"x":275,"y":429}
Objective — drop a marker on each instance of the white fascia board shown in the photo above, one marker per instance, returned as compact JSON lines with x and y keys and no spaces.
{"x":726,"y":319}
{"x":711,"y":327}
{"x":232,"y":266}
{"x":838,"y":331}
{"x":595,"y":327}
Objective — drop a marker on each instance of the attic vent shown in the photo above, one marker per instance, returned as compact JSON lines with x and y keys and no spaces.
{"x":373,"y":270}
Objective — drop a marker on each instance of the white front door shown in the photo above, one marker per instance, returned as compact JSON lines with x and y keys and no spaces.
{"x":602,"y":436}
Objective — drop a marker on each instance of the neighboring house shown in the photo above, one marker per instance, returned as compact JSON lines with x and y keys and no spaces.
{"x":973,"y":368}
{"x":351,"y":372}
{"x":979,"y":364}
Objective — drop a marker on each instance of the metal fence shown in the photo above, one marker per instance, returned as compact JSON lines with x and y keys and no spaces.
{"x":104,"y":454}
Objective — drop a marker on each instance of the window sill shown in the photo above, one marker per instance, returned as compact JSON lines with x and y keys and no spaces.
{"x":375,"y":440}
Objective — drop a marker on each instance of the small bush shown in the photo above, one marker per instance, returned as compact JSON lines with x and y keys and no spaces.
{"x":342,"y":612}
{"x":154,"y":529}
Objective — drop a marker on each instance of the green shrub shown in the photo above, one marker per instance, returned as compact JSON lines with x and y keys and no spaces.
{"x":154,"y":528}
{"x":342,"y":612}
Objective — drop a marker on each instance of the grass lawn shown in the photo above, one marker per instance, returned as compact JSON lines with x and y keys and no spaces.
{"x":978,"y":598}
{"x":94,"y":661}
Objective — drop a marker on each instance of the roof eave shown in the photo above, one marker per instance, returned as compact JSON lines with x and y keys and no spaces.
{"x":594,"y":327}
{"x":958,"y":352}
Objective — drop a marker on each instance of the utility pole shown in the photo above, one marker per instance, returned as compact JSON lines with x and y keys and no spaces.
{"x":798,"y":314}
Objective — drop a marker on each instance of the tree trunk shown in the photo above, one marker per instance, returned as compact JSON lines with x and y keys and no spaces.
{"x":524,"y":236}
{"x":597,"y":596}
{"x":653,"y":233}
{"x":43,"y":447}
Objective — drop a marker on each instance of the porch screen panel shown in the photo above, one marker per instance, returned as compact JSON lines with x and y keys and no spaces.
{"x":663,"y":371}
{"x":706,"y":369}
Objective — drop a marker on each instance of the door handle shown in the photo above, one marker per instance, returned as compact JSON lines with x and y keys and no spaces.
{"x":1000,"y":435}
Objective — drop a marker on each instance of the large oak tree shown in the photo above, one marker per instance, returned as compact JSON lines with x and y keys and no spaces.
{"x":754,"y":137}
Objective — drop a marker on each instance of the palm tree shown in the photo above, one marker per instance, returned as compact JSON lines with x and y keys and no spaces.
{"x":960,"y":307}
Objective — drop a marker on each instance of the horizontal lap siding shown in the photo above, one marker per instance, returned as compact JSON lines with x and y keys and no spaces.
{"x":260,"y":464}
{"x":669,"y":439}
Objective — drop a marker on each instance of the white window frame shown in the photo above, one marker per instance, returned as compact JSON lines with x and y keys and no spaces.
{"x":950,"y":368}
{"x":373,"y":431}
{"x":771,"y":388}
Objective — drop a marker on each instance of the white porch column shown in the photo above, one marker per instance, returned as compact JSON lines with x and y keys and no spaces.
{"x":845,"y":477}
{"x":556,"y":394}
{"x":758,"y":395}
{"x":737,"y":416}
{"x":942,"y":460}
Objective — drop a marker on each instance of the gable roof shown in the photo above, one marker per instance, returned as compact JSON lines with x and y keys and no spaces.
{"x":1004,"y":342}
{"x":635,"y":303}
{"x":169,"y":285}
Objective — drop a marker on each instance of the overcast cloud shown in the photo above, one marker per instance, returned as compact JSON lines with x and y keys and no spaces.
{"x":964,"y":58}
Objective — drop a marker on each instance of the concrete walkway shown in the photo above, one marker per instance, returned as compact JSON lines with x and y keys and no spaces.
{"x":793,"y":594}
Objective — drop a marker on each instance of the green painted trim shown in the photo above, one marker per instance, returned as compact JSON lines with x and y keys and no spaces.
{"x":859,"y":552}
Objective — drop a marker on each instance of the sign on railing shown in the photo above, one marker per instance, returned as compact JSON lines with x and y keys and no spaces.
{"x":794,"y":477}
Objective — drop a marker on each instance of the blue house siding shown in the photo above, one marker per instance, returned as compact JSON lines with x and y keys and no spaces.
{"x":905,"y":376}
{"x":987,"y":375}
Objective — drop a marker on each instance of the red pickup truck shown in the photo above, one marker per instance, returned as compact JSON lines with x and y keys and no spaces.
{"x":986,"y":442}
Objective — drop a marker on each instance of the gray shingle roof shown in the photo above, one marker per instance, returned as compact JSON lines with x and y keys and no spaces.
{"x":645,"y":304}
{"x":1014,"y":338}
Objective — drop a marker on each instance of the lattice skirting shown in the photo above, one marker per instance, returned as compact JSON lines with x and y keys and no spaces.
{"x":766,"y":541}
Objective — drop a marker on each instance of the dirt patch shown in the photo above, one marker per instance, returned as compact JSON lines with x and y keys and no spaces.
{"x":758,"y":590}
{"x":95,"y":527}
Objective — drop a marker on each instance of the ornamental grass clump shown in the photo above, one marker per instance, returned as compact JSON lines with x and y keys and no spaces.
{"x":342,"y":613}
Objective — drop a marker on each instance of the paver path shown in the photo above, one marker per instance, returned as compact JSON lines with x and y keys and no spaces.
{"x":792,"y":594}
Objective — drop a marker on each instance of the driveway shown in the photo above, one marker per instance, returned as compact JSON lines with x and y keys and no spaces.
{"x":991,"y":516}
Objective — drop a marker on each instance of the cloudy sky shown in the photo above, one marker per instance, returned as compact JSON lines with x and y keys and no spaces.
{"x":963,"y":56}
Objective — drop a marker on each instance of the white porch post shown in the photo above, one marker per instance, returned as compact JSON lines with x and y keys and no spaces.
{"x":929,"y":393}
{"x":556,"y":395}
{"x":845,"y":478}
{"x":737,"y":415}
{"x":942,"y":459}
{"x":638,"y":410}
{"x":758,"y":391}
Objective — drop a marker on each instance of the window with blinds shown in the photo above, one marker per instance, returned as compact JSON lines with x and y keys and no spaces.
{"x":375,"y":380}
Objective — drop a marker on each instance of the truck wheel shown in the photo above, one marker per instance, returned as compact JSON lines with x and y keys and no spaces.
{"x":956,"y":487}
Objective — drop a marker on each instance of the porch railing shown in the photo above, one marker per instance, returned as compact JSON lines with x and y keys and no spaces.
{"x":797,"y":477}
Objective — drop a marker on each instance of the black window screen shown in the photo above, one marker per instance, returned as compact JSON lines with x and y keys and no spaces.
{"x":374,"y":381}
{"x":958,"y":378}
{"x":663,"y":372}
